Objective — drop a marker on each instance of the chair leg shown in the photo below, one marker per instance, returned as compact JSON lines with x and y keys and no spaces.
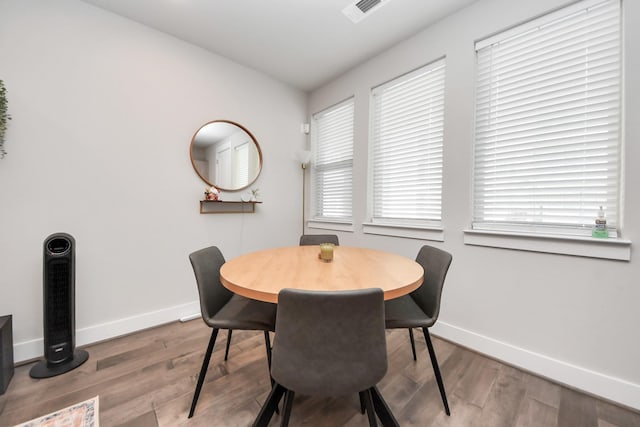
{"x":382,"y":409}
{"x":286,"y":409}
{"x":413,"y":343}
{"x":436,"y":369}
{"x":363,"y":406}
{"x":226,"y":351}
{"x":269,"y":406}
{"x":203,"y":371}
{"x":267,"y":342}
{"x":371,"y":412}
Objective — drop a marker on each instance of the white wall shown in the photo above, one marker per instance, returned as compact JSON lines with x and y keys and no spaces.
{"x":572,"y":319}
{"x":103,"y":113}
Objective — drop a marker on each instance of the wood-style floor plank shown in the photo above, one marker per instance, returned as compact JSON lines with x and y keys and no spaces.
{"x":147,"y":379}
{"x":542,"y":390}
{"x":611,"y":414}
{"x":478,"y":380}
{"x":576,"y":410}
{"x":505,"y":398}
{"x":537,"y":414}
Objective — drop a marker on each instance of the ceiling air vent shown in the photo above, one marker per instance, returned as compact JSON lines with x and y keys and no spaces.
{"x":359,"y":10}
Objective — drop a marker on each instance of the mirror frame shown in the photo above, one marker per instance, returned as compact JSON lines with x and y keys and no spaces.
{"x":253,"y":139}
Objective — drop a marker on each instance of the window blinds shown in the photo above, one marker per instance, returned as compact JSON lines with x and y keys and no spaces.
{"x":407,"y":144}
{"x":332,"y":135}
{"x":547,"y":139}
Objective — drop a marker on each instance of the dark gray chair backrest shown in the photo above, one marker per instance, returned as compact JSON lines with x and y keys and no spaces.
{"x":436,"y":263}
{"x":206,"y":265}
{"x":316,"y":239}
{"x":329,"y":343}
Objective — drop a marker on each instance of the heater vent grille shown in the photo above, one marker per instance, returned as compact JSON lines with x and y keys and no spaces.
{"x":356,"y":12}
{"x":366,"y":5}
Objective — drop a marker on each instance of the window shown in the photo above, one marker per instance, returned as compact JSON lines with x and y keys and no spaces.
{"x":407,"y":144}
{"x":331,"y":174}
{"x":547,"y":133}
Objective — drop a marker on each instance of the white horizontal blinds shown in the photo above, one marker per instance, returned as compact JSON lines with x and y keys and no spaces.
{"x":407,"y":144}
{"x":333,"y":161}
{"x":547,"y":142}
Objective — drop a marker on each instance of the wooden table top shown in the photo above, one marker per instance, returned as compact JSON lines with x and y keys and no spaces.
{"x":261,"y":275}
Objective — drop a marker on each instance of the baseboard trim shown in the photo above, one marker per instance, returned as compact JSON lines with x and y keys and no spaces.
{"x":592,"y":382}
{"x":33,"y":349}
{"x":190,"y":317}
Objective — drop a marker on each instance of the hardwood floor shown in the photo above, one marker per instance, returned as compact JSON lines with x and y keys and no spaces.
{"x":147,"y":379}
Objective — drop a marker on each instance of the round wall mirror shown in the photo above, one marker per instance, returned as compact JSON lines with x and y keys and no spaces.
{"x":226,"y":155}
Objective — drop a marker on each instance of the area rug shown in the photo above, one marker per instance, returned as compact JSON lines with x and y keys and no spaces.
{"x":83,"y":414}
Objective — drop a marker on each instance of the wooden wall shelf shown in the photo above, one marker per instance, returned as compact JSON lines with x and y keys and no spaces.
{"x":224,"y":206}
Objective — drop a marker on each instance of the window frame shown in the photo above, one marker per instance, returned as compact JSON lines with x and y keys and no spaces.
{"x":433,"y":77}
{"x":343,"y":223}
{"x":542,"y":240}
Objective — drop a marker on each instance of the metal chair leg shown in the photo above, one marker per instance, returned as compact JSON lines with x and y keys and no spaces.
{"x":226,"y":351}
{"x":203,"y":371}
{"x":363,"y":406}
{"x":413,"y":343}
{"x":371,"y":412}
{"x":269,"y":406}
{"x":286,"y":409}
{"x":267,"y":342}
{"x":382,"y":409}
{"x":436,"y":370}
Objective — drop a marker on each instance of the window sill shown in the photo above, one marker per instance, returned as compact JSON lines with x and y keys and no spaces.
{"x":330,"y":225}
{"x":409,"y":231}
{"x":612,"y":248}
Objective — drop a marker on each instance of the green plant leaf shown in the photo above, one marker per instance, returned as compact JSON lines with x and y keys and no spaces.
{"x":4,"y":117}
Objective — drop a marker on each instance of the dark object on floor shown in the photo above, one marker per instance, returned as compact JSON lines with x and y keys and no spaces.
{"x":6,"y":352}
{"x":329,"y":344}
{"x":59,"y":305}
{"x":222,"y":309}
{"x":421,"y":307}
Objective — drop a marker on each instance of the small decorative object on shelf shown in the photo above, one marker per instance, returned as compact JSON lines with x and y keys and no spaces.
{"x":255,"y":192}
{"x":211,"y":193}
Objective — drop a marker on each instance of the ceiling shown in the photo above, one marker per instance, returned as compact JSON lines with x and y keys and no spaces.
{"x":304,"y":43}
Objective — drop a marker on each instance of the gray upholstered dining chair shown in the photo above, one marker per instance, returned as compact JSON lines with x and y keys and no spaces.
{"x":222,"y":309}
{"x":316,"y":239}
{"x":327,"y":344}
{"x":421,"y":307}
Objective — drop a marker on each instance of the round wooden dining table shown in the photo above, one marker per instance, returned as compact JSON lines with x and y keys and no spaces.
{"x":261,"y":275}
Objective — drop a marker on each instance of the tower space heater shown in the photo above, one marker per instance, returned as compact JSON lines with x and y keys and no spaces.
{"x":58,"y":291}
